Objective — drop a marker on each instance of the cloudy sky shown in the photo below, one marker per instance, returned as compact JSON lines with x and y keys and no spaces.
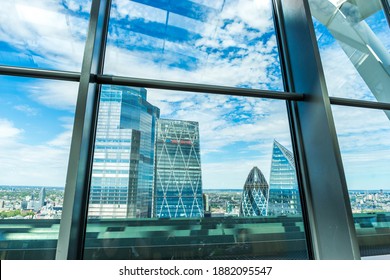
{"x":223,"y":42}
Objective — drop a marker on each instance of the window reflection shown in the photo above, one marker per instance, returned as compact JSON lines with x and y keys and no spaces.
{"x":215,"y":42}
{"x":354,"y":47}
{"x":43,"y":33}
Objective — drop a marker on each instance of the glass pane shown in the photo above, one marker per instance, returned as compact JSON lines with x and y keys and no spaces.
{"x":210,"y":176}
{"x":43,"y":33}
{"x":364,"y":137}
{"x":229,"y":43}
{"x":354,"y":42}
{"x":36,"y":123}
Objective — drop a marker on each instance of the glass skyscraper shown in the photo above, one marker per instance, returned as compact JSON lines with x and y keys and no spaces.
{"x":123,"y":164}
{"x":283,"y":174}
{"x":255,"y":194}
{"x":284,"y":195}
{"x":178,"y":184}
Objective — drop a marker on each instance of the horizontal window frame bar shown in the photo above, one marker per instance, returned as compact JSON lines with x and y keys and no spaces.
{"x":180,"y":86}
{"x":195,"y":87}
{"x":40,"y":73}
{"x":359,"y":103}
{"x":148,"y":83}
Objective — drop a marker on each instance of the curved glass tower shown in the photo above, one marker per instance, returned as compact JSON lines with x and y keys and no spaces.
{"x":283,"y":174}
{"x":284,"y":195}
{"x":254,"y":200}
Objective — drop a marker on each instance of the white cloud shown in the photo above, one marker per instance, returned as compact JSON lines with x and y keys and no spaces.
{"x":44,"y":162}
{"x":256,"y":14}
{"x":342,"y":78}
{"x":364,"y":138}
{"x":134,"y":10}
{"x":28,"y":164}
{"x":216,"y":4}
{"x":45,"y":32}
{"x":250,"y":61}
{"x":232,"y":174}
{"x":8,"y":131}
{"x":55,"y":94}
{"x":78,"y":5}
{"x":63,"y":139}
{"x":28,"y":110}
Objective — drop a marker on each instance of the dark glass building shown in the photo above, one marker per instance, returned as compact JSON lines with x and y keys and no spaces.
{"x":178,"y":184}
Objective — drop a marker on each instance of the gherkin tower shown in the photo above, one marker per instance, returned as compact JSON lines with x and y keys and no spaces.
{"x":254,"y":200}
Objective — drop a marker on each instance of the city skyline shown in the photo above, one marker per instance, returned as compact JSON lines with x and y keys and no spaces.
{"x":192,"y":55}
{"x":143,"y":166}
{"x":26,"y":202}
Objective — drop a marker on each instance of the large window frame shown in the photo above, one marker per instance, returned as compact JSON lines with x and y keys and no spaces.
{"x":330,"y":231}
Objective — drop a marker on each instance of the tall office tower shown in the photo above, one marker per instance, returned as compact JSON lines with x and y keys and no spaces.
{"x":178,"y":184}
{"x":284,"y":195}
{"x":206,"y":202}
{"x":254,"y":200}
{"x":42,"y":197}
{"x":123,"y":165}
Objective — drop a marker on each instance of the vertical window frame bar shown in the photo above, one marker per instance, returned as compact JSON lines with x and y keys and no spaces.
{"x":71,"y":238}
{"x":386,"y":10}
{"x":326,"y":200}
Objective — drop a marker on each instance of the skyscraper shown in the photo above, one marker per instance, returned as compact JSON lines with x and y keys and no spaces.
{"x":283,"y":175}
{"x":123,"y":165}
{"x":254,"y":200}
{"x":42,"y":197}
{"x":178,"y":184}
{"x":284,"y":195}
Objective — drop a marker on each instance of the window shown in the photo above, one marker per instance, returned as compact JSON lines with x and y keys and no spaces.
{"x":36,"y":124}
{"x":364,"y":143}
{"x":354,"y":45}
{"x":199,"y":129}
{"x":43,"y":34}
{"x":208,"y":167}
{"x":230,"y":43}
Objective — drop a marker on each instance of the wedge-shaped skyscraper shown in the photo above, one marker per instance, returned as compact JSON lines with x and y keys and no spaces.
{"x":283,"y":174}
{"x":178,"y":182}
{"x":254,"y":200}
{"x":284,"y":195}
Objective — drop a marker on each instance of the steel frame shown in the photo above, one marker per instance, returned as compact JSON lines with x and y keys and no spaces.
{"x":329,"y":224}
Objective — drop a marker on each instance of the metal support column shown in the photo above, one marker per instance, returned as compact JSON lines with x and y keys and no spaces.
{"x":74,"y":216}
{"x":386,"y":10}
{"x":326,"y":199}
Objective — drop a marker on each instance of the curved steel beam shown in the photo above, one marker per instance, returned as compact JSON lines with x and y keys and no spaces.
{"x":345,"y":21}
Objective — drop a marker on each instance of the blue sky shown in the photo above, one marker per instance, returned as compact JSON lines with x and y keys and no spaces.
{"x":205,"y":41}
